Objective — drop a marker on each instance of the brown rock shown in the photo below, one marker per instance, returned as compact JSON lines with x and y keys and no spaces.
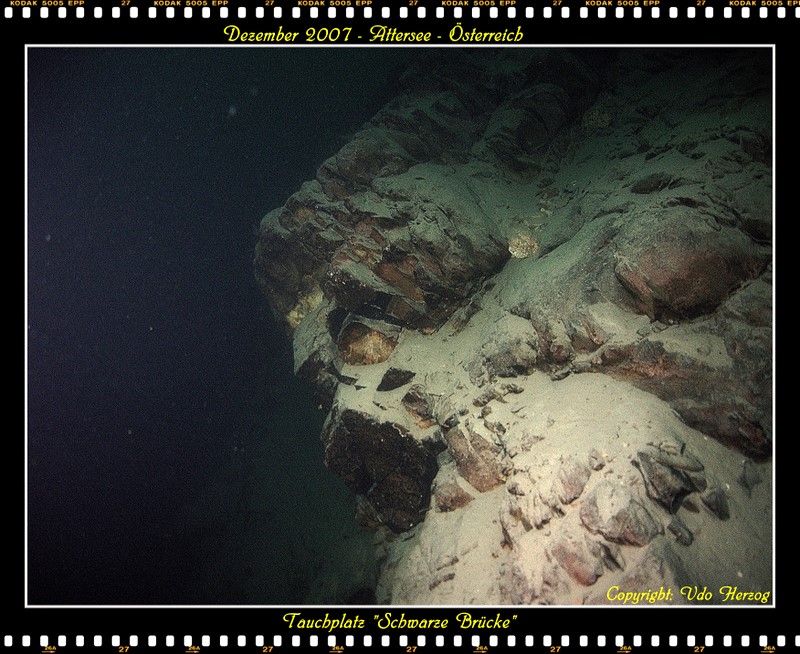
{"x":419,"y":405}
{"x":449,"y":496}
{"x":610,"y":510}
{"x":681,"y":267}
{"x":360,"y":345}
{"x":475,"y":457}
{"x":575,"y":555}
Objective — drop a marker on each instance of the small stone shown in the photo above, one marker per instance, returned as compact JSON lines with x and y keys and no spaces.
{"x":440,"y":577}
{"x":395,"y":378}
{"x":420,"y":406}
{"x":486,"y":396}
{"x":596,"y":461}
{"x":681,"y":531}
{"x":716,"y":501}
{"x":664,"y":484}
{"x":450,"y":496}
{"x":749,"y":476}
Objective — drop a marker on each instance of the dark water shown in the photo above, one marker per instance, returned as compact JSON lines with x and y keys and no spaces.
{"x":172,"y":457}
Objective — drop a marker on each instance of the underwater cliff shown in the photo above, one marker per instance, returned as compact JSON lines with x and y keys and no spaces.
{"x":534,"y":293}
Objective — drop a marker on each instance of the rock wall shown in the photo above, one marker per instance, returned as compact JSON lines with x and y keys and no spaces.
{"x":536,"y":299}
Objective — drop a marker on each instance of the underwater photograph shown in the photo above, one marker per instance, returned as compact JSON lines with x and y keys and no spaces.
{"x":399,"y":326}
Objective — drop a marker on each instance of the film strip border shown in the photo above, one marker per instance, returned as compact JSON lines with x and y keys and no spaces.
{"x":411,"y":644}
{"x":369,"y":9}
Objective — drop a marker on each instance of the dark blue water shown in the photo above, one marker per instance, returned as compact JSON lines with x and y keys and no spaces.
{"x":161,"y":402}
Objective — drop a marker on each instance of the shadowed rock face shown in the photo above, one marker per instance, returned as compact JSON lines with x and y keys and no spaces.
{"x":382,"y":462}
{"x":540,"y":302}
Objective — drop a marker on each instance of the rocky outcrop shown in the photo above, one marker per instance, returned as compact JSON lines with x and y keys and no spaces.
{"x":390,"y":225}
{"x":537,"y":306}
